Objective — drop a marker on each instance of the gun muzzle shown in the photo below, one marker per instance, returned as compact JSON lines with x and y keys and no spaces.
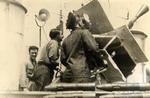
{"x":144,"y":9}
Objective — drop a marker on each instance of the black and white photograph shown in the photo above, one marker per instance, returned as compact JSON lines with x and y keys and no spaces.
{"x":74,"y":49}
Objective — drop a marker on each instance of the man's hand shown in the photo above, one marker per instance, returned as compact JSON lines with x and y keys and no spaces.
{"x":103,"y":54}
{"x":30,"y":76}
{"x":98,"y":71}
{"x":67,"y":76}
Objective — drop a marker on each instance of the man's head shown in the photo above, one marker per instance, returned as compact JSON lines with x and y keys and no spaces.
{"x":71,"y":21}
{"x":76,"y":19}
{"x":56,"y":34}
{"x":33,"y":51}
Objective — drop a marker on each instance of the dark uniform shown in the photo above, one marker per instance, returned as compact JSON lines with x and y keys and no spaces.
{"x":73,"y":54}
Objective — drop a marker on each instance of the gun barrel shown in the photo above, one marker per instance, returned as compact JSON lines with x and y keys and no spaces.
{"x":144,"y":9}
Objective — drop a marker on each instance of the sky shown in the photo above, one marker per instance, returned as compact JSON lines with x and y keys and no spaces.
{"x":114,"y":9}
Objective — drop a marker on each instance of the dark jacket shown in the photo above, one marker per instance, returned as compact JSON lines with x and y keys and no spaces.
{"x":74,"y":53}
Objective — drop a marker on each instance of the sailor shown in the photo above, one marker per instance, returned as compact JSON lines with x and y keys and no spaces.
{"x":27,"y":76}
{"x":74,"y":51}
{"x":48,"y":60}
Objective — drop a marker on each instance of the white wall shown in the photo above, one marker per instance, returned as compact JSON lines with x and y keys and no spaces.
{"x":11,"y":44}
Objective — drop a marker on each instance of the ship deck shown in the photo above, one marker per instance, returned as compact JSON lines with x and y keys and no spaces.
{"x":85,"y":90}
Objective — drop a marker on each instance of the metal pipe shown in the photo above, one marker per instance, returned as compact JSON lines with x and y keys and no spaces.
{"x":71,"y":86}
{"x":40,"y":36}
{"x":124,"y":87}
{"x":72,"y":95}
{"x":105,"y":87}
{"x":140,"y":95}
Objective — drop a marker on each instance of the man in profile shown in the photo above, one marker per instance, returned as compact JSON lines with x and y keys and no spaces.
{"x":48,"y":61}
{"x":75,"y":48}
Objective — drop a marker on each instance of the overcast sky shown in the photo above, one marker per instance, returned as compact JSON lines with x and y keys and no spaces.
{"x":115,"y":9}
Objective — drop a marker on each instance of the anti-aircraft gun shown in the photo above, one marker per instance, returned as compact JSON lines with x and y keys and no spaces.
{"x":123,"y":54}
{"x":119,"y":44}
